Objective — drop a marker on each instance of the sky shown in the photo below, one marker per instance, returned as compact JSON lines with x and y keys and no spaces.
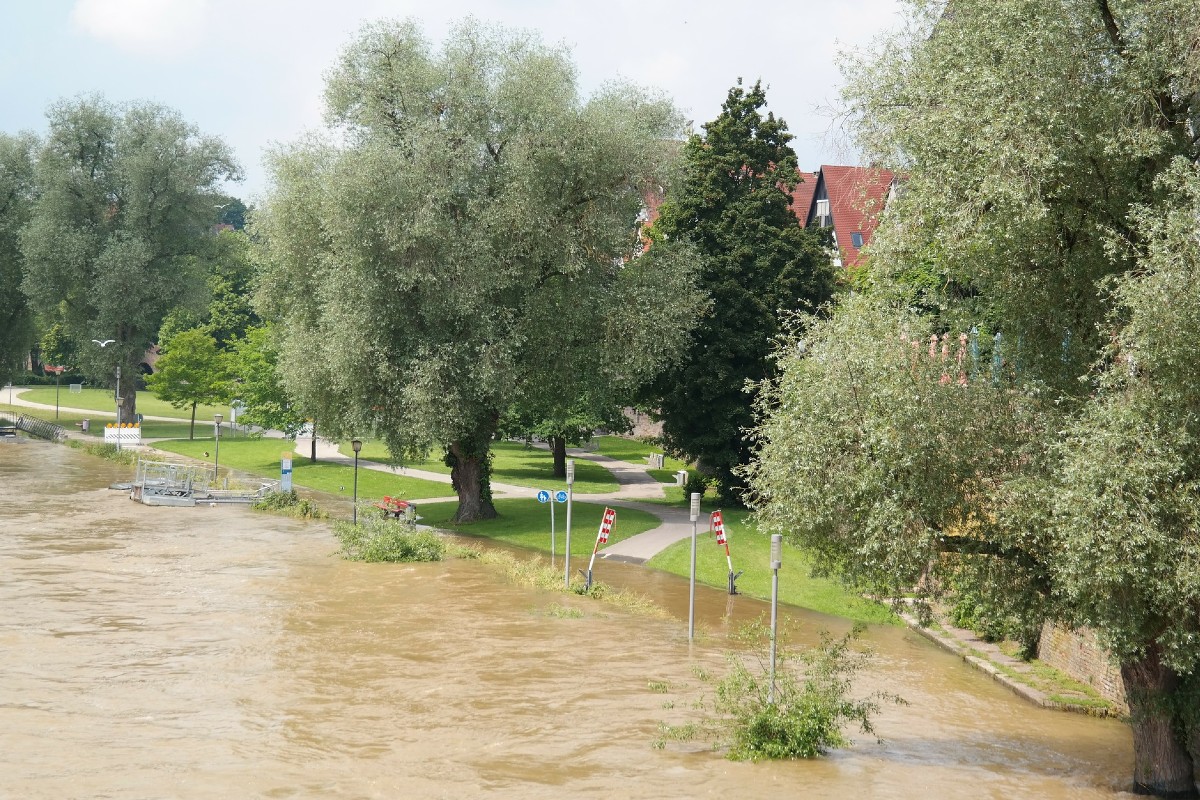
{"x":251,"y":71}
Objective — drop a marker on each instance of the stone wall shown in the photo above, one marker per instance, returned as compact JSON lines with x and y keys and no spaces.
{"x":1078,"y":654}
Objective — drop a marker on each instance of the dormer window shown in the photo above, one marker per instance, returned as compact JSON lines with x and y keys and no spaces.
{"x":821,"y":218}
{"x":856,"y":239}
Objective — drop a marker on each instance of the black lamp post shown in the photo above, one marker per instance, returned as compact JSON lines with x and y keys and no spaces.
{"x":357,"y":446}
{"x":58,"y":371}
{"x":216,"y":444}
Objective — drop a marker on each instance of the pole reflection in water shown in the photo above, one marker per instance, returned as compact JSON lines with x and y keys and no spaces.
{"x":216,"y":652}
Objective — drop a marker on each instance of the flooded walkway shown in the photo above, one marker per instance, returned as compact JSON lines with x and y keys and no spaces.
{"x":215,"y":652}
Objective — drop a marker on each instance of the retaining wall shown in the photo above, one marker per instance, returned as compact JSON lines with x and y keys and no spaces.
{"x":1078,"y":654}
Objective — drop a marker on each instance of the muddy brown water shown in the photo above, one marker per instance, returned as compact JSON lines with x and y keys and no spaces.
{"x":217,"y":653}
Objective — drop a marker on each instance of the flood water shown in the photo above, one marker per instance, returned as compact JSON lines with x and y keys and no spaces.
{"x":218,"y":653}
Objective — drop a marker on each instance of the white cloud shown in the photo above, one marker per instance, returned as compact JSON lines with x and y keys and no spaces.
{"x":158,"y":28}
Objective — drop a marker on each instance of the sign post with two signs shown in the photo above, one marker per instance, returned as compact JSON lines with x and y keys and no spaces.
{"x":545,"y":496}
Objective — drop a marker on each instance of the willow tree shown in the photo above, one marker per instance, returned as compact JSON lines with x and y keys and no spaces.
{"x":16,"y":196}
{"x":124,"y":202}
{"x":1051,"y":152}
{"x":460,"y":231}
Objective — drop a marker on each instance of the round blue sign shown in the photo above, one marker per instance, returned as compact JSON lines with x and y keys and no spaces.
{"x":560,"y":497}
{"x":543,"y":496}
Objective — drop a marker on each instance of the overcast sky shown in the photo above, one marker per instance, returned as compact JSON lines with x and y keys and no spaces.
{"x":250,"y":71}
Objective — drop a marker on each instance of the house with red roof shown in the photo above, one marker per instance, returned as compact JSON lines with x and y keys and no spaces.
{"x":847,"y":199}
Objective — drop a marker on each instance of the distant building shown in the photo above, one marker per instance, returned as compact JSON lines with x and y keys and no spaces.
{"x":847,"y":199}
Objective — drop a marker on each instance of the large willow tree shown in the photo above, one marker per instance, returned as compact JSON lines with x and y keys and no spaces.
{"x":123,"y":206}
{"x":1047,"y":461}
{"x":455,"y":245}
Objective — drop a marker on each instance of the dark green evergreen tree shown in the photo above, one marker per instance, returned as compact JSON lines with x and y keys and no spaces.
{"x":733,"y":204}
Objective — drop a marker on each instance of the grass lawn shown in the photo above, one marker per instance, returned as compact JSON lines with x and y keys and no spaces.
{"x":262,"y":456}
{"x":101,"y":401}
{"x":636,"y":451}
{"x":150,"y":429}
{"x":750,"y":551}
{"x":526,"y":523}
{"x":512,"y":462}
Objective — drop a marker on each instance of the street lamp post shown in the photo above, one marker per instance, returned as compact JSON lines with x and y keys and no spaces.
{"x":357,"y":446}
{"x":58,"y":371}
{"x":117,"y":394}
{"x":776,"y":563}
{"x":694,"y":513}
{"x":216,"y":444}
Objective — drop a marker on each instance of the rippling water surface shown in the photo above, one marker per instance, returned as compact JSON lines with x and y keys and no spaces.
{"x":216,"y":652}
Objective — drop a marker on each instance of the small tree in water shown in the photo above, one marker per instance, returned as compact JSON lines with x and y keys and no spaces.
{"x":807,"y":714}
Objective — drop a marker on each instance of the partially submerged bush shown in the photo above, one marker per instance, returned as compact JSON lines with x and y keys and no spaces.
{"x":290,"y":504}
{"x":386,"y":539}
{"x":809,"y":712}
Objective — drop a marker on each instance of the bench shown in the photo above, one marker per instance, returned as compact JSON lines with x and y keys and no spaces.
{"x":394,"y":507}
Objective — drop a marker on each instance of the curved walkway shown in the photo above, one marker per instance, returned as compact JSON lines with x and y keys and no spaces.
{"x":634,"y":484}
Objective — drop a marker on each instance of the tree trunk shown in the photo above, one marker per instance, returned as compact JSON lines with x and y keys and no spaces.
{"x":313,"y":444}
{"x":192,"y":429}
{"x":558,"y":446}
{"x":1162,"y":766}
{"x":471,"y":483}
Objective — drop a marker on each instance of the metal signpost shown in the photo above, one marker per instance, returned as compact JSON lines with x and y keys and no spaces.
{"x":776,"y":563}
{"x":695,"y":514}
{"x":544,"y":497}
{"x":216,"y":444}
{"x":570,"y":497}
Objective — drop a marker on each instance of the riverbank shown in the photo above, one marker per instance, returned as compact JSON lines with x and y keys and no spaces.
{"x":1037,"y":683}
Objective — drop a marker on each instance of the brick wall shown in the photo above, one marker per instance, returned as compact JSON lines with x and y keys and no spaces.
{"x":1078,"y":654}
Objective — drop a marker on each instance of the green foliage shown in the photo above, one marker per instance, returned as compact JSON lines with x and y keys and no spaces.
{"x":455,"y":248}
{"x":1051,"y":197}
{"x":16,"y":201}
{"x":291,"y":504}
{"x":803,"y":715}
{"x":122,"y":208}
{"x":108,"y":452}
{"x":190,"y":371}
{"x":757,"y":264}
{"x":377,"y":538}
{"x":254,"y":367}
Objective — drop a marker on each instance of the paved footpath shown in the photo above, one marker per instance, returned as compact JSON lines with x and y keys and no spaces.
{"x":635,"y":485}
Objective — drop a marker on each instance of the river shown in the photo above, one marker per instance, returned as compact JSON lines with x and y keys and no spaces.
{"x":217,"y":652}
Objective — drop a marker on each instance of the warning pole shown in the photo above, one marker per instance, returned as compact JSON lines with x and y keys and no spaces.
{"x":716,"y":523}
{"x":606,"y":523}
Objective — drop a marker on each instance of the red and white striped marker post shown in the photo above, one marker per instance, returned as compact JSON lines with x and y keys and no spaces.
{"x":716,"y":522}
{"x":606,"y":523}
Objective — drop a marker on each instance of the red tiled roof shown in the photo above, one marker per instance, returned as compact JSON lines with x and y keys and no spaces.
{"x":802,"y":195}
{"x":856,"y":198}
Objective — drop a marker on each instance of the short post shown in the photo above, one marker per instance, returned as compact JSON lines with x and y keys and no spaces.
{"x":570,"y":497}
{"x":695,"y":514}
{"x":776,"y":563}
{"x":356,"y":445}
{"x":216,"y":444}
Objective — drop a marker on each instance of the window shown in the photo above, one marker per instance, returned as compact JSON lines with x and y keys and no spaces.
{"x":856,"y":239}
{"x":821,"y":217}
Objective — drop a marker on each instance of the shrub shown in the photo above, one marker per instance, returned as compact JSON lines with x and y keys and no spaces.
{"x":290,"y":504}
{"x":386,"y":539}
{"x":808,"y":714}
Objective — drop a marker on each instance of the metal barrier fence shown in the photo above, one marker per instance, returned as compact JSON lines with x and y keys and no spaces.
{"x":40,"y":428}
